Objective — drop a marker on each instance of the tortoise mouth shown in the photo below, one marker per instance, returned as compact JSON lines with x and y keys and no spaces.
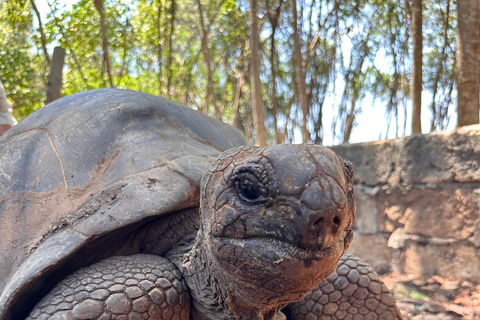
{"x":287,"y":250}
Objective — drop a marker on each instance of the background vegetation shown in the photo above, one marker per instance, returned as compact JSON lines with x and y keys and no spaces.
{"x":310,"y":66}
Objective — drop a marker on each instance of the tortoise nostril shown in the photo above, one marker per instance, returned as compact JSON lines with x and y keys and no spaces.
{"x":337,"y":221}
{"x":318,"y":222}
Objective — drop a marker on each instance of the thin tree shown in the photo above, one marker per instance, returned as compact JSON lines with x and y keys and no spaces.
{"x":257,"y":100}
{"x":300,"y":74}
{"x":172,"y":11}
{"x":208,"y":61}
{"x":468,"y":55}
{"x":159,"y":46}
{"x":274,"y":21}
{"x":354,"y":83}
{"x":103,"y":26}
{"x":239,"y":88}
{"x":54,"y":89}
{"x":42,"y":33}
{"x":67,"y":45}
{"x":237,"y":123}
{"x":439,"y":115}
{"x":416,"y":89}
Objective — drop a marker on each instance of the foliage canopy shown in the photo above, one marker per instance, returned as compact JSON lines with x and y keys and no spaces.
{"x":356,"y":54}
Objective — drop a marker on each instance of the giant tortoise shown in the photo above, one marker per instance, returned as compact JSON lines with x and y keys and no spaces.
{"x":117,"y":204}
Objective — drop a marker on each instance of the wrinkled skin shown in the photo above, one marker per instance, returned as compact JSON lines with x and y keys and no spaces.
{"x":275,"y":222}
{"x":104,"y":215}
{"x":272,"y":225}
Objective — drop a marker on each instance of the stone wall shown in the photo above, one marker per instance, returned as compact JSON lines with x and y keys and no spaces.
{"x":418,"y":203}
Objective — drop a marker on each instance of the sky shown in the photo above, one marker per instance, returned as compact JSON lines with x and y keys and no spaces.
{"x":370,"y":122}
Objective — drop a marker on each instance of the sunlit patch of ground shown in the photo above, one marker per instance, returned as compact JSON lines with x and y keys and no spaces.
{"x":434,"y":298}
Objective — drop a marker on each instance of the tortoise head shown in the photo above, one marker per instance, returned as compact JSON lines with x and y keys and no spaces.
{"x":278,"y":218}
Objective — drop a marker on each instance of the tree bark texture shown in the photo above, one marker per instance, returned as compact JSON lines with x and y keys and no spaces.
{"x":350,"y":119}
{"x":416,"y":89}
{"x":208,"y":61}
{"x":274,"y":17}
{"x":103,"y":26}
{"x":468,"y":64}
{"x":172,"y":12}
{"x":160,"y":47}
{"x":54,"y":89}
{"x":237,"y":123}
{"x":257,"y":100}
{"x":300,"y":75}
{"x":440,"y":114}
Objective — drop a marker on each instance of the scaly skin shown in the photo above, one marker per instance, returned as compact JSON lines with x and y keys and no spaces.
{"x":274,"y":223}
{"x":133,"y":287}
{"x":353,"y":291}
{"x":150,"y":287}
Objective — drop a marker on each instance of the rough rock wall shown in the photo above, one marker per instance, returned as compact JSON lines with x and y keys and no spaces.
{"x":418,"y":203}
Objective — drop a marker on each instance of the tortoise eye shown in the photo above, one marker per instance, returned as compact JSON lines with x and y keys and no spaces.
{"x":250,"y":189}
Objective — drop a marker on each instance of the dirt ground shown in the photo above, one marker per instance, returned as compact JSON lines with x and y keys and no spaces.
{"x":435,"y":298}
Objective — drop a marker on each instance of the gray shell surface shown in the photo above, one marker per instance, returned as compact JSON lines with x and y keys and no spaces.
{"x":87,"y":165}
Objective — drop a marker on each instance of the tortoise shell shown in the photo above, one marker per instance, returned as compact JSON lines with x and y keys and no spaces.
{"x":89,"y":164}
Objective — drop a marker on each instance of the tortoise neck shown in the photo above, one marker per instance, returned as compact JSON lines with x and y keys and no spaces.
{"x":166,"y":235}
{"x":214,"y":295}
{"x":208,"y":297}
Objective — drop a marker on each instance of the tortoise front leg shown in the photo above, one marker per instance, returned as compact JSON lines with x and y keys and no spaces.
{"x":353,"y":292}
{"x":132,"y":287}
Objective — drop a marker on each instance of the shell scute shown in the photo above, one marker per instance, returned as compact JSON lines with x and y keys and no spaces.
{"x":89,"y":164}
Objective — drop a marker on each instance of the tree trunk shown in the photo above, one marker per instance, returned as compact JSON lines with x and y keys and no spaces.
{"x":273,"y":69}
{"x":54,"y":90}
{"x":208,"y":61}
{"x":172,"y":12}
{"x":300,"y":75}
{"x":106,"y":59}
{"x":42,"y":34}
{"x":350,"y":119}
{"x":160,"y":47}
{"x":237,"y":123}
{"x":288,"y":108}
{"x":438,"y":119}
{"x":65,"y":43}
{"x":257,"y":100}
{"x":417,"y":66}
{"x":467,"y":67}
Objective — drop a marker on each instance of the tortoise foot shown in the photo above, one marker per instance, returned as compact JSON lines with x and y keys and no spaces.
{"x":131,"y":287}
{"x":353,"y":291}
